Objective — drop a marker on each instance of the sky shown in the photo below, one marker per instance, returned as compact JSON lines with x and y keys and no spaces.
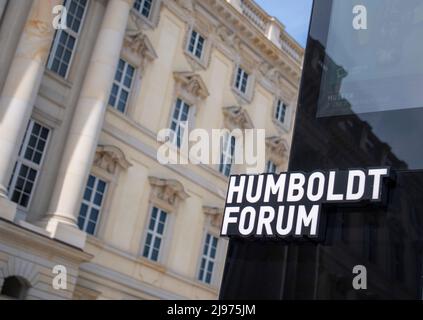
{"x":294,"y":14}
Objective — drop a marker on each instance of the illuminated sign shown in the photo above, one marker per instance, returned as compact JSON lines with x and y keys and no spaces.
{"x":289,"y":204}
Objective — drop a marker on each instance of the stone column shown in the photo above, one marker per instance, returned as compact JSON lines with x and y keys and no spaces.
{"x":20,"y":90}
{"x":86,"y":126}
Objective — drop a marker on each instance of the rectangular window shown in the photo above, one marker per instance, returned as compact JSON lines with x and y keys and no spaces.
{"x":208,"y":259}
{"x":196,"y":44}
{"x":270,"y":167}
{"x":280,"y":111}
{"x":28,"y":165}
{"x":122,"y":86}
{"x":227,"y":155}
{"x":179,"y":122}
{"x":144,"y":7}
{"x":241,"y":83}
{"x":65,"y":40}
{"x":91,"y":205}
{"x":155,"y":234}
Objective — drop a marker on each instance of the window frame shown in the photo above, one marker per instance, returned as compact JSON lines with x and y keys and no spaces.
{"x":223,"y":154}
{"x":20,"y":160}
{"x":195,"y":45}
{"x":90,"y":205}
{"x":121,"y":85}
{"x":238,"y":84}
{"x":139,"y":11}
{"x":72,"y":33}
{"x":154,"y":15}
{"x":207,"y":258}
{"x":286,"y":125}
{"x":281,"y":111}
{"x":147,"y":230}
{"x":174,"y":138}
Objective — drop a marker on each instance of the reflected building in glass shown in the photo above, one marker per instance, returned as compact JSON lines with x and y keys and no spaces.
{"x":351,"y":115}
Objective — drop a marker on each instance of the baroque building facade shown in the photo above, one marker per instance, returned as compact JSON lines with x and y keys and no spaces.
{"x":80,"y":111}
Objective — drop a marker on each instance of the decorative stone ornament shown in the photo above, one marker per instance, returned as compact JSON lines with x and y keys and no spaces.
{"x":237,"y":118}
{"x":109,"y":158}
{"x":277,"y":149}
{"x":168,"y":191}
{"x":191,"y":84}
{"x":214,"y":215}
{"x":138,"y":43}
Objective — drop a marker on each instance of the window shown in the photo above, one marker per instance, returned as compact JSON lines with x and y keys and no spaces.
{"x":144,"y":7}
{"x":270,"y":167}
{"x":92,"y":202}
{"x":28,"y":165}
{"x":15,"y":287}
{"x":65,"y":40}
{"x":208,"y":259}
{"x":196,"y":44}
{"x":280,"y":113}
{"x":179,"y":122}
{"x":122,"y":86}
{"x":227,"y":155}
{"x":241,"y":83}
{"x":155,"y":233}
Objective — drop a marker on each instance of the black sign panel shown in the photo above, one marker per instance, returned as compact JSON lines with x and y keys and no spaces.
{"x":289,"y":204}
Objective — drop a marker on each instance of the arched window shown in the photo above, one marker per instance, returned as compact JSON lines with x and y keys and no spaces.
{"x":15,"y":287}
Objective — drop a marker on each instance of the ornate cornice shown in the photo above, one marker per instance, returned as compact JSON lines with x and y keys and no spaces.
{"x":237,"y":118}
{"x":109,"y":158}
{"x":192,"y":84}
{"x":137,"y":42}
{"x":167,"y":190}
{"x":214,"y":215}
{"x":234,"y":29}
{"x":277,"y":149}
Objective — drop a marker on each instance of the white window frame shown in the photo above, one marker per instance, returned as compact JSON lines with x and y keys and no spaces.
{"x":155,"y":234}
{"x":182,"y":125}
{"x":196,"y":44}
{"x":276,"y":116}
{"x":281,"y":109}
{"x":121,"y":86}
{"x":32,"y":165}
{"x":208,"y":259}
{"x":71,"y":33}
{"x":90,"y":204}
{"x":227,"y":153}
{"x":142,"y":4}
{"x":242,"y":73}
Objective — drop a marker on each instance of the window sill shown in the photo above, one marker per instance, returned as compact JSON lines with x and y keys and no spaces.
{"x":152,"y":264}
{"x":284,"y":127}
{"x":200,"y":62}
{"x":207,"y":286}
{"x":54,"y":76}
{"x":143,"y":19}
{"x":245,"y":97}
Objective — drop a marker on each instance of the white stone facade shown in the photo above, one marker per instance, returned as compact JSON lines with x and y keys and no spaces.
{"x":77,"y":132}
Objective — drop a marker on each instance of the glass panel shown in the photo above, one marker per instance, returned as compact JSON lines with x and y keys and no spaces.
{"x":378,"y":71}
